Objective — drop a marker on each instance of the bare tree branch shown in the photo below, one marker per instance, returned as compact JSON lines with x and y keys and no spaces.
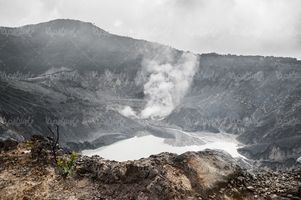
{"x":54,"y":141}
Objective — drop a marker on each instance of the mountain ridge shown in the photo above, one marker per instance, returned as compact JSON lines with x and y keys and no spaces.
{"x":74,"y":21}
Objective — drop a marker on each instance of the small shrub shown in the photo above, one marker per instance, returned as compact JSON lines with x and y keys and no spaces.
{"x":67,"y":165}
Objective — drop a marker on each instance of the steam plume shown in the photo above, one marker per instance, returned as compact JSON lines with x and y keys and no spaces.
{"x":167,"y":84}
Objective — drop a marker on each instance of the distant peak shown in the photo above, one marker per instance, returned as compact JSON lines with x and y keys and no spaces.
{"x":67,"y":22}
{"x":70,"y":23}
{"x":58,"y":27}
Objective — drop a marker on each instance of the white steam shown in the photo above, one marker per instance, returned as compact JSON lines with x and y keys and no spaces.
{"x":127,"y":111}
{"x":167,"y":84}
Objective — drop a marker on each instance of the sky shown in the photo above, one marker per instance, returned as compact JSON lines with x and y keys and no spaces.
{"x":243,"y":27}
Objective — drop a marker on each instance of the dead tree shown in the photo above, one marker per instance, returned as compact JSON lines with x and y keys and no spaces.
{"x":54,"y":141}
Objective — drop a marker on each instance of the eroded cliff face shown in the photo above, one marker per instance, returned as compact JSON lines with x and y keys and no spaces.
{"x":24,"y":174}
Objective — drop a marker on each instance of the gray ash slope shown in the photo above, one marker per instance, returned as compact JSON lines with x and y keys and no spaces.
{"x":81,"y":75}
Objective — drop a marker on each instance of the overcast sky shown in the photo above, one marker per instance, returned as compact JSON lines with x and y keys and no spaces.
{"x":256,"y":27}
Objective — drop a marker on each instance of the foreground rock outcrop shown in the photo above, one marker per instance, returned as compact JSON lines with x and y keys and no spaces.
{"x":192,"y":175}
